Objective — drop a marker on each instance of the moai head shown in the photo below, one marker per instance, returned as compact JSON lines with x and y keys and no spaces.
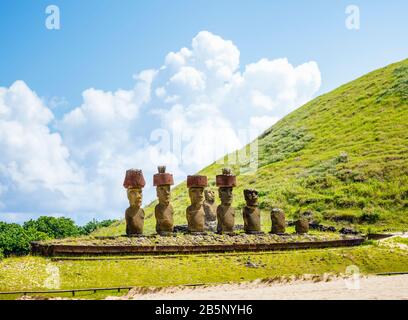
{"x":162,"y":181}
{"x":134,"y":182}
{"x":251,"y":197}
{"x":135,"y":197}
{"x":225,"y":194}
{"x":196,"y":185}
{"x":225,"y":182}
{"x":209,"y":195}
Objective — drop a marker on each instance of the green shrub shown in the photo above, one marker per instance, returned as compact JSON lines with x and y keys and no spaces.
{"x":14,"y":239}
{"x":91,"y":226}
{"x":369,"y":216}
{"x":56,"y":228}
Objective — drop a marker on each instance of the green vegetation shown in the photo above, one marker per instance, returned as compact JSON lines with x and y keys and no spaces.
{"x":15,"y":239}
{"x":344,"y":156}
{"x":401,"y":240}
{"x":30,"y":273}
{"x":55,"y":228}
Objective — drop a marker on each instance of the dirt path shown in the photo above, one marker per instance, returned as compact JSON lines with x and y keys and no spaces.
{"x":372,"y":287}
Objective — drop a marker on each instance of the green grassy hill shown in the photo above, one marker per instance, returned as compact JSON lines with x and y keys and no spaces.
{"x":343,"y":156}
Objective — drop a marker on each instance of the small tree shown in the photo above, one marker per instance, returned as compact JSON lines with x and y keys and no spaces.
{"x":56,"y":228}
{"x":14,"y":239}
{"x":94,"y":224}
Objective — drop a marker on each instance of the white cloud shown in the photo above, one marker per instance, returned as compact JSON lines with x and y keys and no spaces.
{"x":186,"y":113}
{"x":32,"y":157}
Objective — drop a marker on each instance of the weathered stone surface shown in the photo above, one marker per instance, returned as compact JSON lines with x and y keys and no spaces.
{"x":134,"y":215}
{"x":197,"y":181}
{"x":226,"y":179}
{"x":226,"y":219}
{"x":278,"y":221}
{"x":302,"y":226}
{"x":164,"y":217}
{"x":162,"y":178}
{"x":134,"y":179}
{"x":210,"y":206}
{"x":163,"y":211}
{"x":251,"y":212}
{"x":225,"y":212}
{"x":210,"y":209}
{"x":181,"y":228}
{"x":195,"y":212}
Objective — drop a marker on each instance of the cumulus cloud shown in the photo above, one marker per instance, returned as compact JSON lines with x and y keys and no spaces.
{"x":186,"y":113}
{"x":33,"y":159}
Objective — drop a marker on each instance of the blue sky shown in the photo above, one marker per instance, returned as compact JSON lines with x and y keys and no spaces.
{"x":105,"y":45}
{"x":102,"y":43}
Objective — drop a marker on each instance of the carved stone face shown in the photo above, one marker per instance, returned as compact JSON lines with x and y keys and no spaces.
{"x":225,"y":194}
{"x":209,"y":195}
{"x":163,"y":193}
{"x":196,"y":195}
{"x":251,"y":197}
{"x":135,"y":197}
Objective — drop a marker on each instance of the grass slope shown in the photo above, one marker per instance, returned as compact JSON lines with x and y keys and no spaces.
{"x":343,"y":155}
{"x":30,"y":273}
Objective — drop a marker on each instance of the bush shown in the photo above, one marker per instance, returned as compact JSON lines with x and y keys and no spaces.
{"x":369,"y":216}
{"x":14,"y":239}
{"x":91,"y":226}
{"x":55,"y":228}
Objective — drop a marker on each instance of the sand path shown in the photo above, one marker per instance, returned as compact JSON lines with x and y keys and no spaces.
{"x":371,"y":287}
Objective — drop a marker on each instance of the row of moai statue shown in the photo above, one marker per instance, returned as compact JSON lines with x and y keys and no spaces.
{"x":202,"y":214}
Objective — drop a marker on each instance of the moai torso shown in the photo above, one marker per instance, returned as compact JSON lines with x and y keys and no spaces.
{"x":134,"y":220}
{"x":164,"y":218}
{"x":302,"y":226}
{"x":278,"y":221}
{"x":164,"y":210}
{"x":210,"y":210}
{"x":251,"y":212}
{"x":225,"y":212}
{"x":195,"y":213}
{"x":252,"y":219}
{"x":195,"y":218}
{"x":226,"y":218}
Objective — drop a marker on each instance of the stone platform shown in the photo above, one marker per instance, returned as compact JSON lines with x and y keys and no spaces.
{"x":185,"y":244}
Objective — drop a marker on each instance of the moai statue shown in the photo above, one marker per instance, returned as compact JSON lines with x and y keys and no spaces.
{"x":134,"y":182}
{"x":163,"y":210}
{"x":278,"y":221}
{"x":195,"y":212}
{"x":225,"y":212}
{"x":302,"y":225}
{"x":251,"y":212}
{"x":210,"y":209}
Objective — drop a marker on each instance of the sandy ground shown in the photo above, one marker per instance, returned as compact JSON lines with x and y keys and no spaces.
{"x":372,"y":287}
